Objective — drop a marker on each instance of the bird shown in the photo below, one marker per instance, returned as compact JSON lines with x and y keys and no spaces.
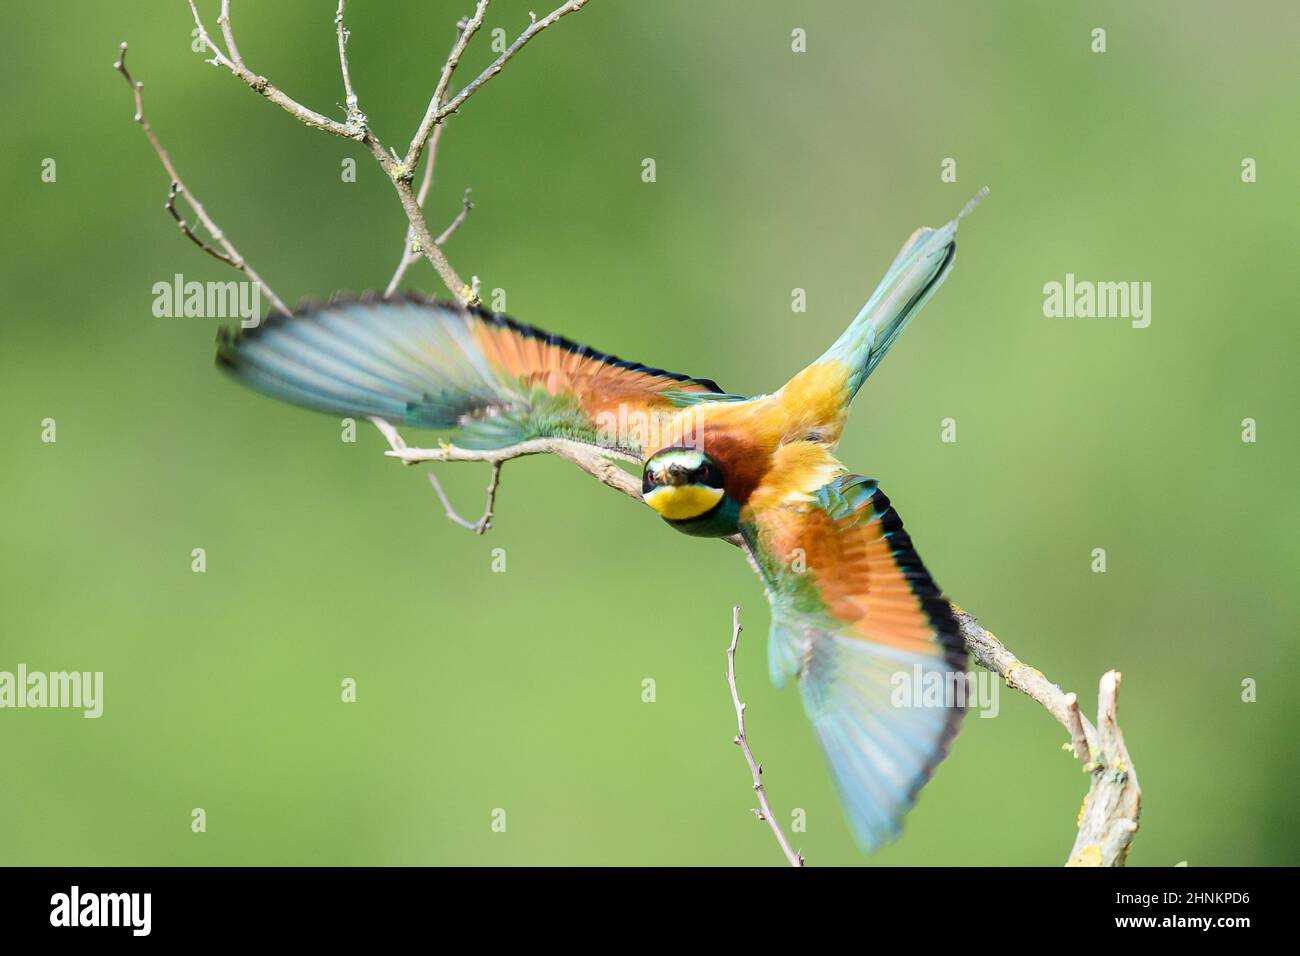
{"x":854,"y":612}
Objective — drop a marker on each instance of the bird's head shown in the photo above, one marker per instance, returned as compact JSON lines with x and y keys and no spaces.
{"x":686,"y":487}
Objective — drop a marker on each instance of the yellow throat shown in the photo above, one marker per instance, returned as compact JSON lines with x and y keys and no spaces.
{"x":680,"y":502}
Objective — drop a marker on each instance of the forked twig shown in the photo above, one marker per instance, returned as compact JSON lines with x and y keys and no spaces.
{"x":535,"y":27}
{"x":1109,"y":817}
{"x":483,"y":524}
{"x":232,"y":255}
{"x":355,"y":128}
{"x":433,"y":115}
{"x":172,"y":193}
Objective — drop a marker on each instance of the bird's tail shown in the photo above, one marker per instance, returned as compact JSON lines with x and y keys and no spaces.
{"x":918,"y":270}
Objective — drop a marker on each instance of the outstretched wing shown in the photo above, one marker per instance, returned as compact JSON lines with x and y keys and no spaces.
{"x":874,"y":644}
{"x":427,"y":364}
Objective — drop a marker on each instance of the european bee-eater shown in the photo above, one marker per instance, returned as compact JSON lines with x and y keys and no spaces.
{"x":852,"y":605}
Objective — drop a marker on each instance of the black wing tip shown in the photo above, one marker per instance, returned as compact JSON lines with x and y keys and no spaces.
{"x":922,"y":584}
{"x":942,"y":746}
{"x":228,"y":339}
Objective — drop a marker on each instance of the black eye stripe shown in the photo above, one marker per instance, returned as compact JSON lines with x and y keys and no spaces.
{"x":673,"y":470}
{"x":708,"y":474}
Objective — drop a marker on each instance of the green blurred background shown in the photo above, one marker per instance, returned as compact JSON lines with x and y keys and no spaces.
{"x":776,"y":170}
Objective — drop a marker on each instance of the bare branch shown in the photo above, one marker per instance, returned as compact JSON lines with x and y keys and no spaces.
{"x":1078,"y":736}
{"x":431,"y":157}
{"x":764,"y":812}
{"x":433,"y":115}
{"x":423,"y":243}
{"x":223,"y":21}
{"x":354,"y":129}
{"x":411,"y":251}
{"x":1109,"y":816}
{"x":356,"y":118}
{"x":233,"y":62}
{"x":232,"y":255}
{"x":483,"y":524}
{"x":411,"y":258}
{"x":466,"y":204}
{"x":399,"y":170}
{"x":991,"y":654}
{"x":591,"y":459}
{"x":405,"y":263}
{"x":395,"y":441}
{"x":534,"y":27}
{"x":170,"y":206}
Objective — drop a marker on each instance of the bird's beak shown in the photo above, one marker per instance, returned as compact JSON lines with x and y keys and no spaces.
{"x":676,"y":475}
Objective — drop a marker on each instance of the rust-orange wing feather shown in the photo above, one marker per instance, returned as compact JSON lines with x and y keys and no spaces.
{"x":858,"y":619}
{"x":423,"y":363}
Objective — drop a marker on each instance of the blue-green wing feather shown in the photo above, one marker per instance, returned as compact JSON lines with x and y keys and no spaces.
{"x":850,"y":671}
{"x":432,"y":365}
{"x":912,"y":278}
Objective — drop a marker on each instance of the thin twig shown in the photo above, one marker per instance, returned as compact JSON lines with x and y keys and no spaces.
{"x":423,"y":241}
{"x":233,"y":62}
{"x":414,"y":257}
{"x":593,"y":460}
{"x":399,"y":170}
{"x":410,"y":247}
{"x":433,"y":115}
{"x":179,"y":188}
{"x":483,"y":524}
{"x":356,"y":118}
{"x":1078,"y":737}
{"x":534,"y":27}
{"x":172,"y":192}
{"x":409,"y":259}
{"x":223,"y":21}
{"x":764,"y":812}
{"x":391,"y":435}
{"x":466,"y":204}
{"x":430,"y":158}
